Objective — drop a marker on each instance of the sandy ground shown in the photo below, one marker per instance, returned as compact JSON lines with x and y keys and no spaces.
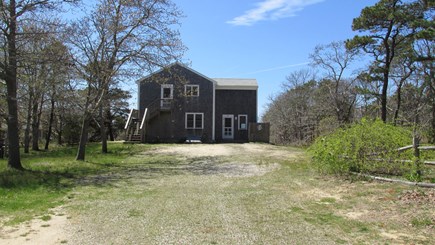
{"x":203,"y":150}
{"x":37,"y":231}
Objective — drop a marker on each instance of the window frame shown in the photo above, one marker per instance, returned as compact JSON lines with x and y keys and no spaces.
{"x":195,"y":115}
{"x":162,"y":93}
{"x":191,"y":86}
{"x":239,"y":123}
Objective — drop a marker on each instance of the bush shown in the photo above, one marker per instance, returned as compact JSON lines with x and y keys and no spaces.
{"x":365,"y":147}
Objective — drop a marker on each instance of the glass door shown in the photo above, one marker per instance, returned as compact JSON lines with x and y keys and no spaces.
{"x":227,"y":126}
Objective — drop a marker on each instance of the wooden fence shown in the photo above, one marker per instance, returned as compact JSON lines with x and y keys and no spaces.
{"x":417,"y":148}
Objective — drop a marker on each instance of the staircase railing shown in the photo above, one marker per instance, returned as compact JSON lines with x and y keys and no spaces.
{"x":127,"y":124}
{"x":135,"y":124}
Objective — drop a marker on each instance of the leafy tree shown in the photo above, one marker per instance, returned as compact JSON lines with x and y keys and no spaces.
{"x":117,"y":112}
{"x":42,"y":69}
{"x":424,"y":48}
{"x":387,"y":28}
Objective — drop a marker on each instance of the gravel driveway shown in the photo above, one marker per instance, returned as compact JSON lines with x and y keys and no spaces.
{"x":197,"y":197}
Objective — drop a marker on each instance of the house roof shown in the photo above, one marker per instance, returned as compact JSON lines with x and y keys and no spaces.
{"x":236,"y":84}
{"x":221,"y":83}
{"x":173,"y":64}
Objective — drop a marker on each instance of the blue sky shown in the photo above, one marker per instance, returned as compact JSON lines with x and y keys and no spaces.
{"x":262,"y":39}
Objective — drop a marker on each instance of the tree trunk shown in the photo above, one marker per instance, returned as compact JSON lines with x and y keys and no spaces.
{"x":59,"y":129}
{"x":83,"y":137}
{"x":14,"y":160}
{"x":103,"y":130}
{"x":51,"y":119}
{"x":398,"y":103}
{"x":432,"y":93}
{"x":384,"y":95}
{"x":35,"y":126}
{"x":39,"y":115}
{"x":433,"y":122}
{"x":28,"y":122}
{"x":85,"y":129}
{"x":109,"y":125}
{"x":36,"y":121}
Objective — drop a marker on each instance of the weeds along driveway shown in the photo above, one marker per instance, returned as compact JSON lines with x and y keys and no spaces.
{"x":238,"y":194}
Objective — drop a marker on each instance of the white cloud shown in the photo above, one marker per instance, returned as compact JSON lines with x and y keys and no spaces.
{"x":271,"y":10}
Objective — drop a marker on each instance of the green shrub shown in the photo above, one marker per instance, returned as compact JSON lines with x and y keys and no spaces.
{"x":365,"y":147}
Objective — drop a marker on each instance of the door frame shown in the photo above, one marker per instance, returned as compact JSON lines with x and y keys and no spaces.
{"x":226,"y":137}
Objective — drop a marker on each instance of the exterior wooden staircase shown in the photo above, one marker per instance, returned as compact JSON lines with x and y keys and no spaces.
{"x":132,"y":133}
{"x":135,"y":125}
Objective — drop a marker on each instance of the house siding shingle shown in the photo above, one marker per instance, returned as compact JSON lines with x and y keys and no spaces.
{"x":169,"y":126}
{"x":235,"y":102}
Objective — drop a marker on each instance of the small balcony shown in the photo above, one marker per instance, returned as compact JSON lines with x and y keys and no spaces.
{"x":165,"y":104}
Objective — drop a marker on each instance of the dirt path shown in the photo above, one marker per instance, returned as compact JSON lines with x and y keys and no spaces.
{"x":228,"y":194}
{"x":192,"y":199}
{"x":37,"y":231}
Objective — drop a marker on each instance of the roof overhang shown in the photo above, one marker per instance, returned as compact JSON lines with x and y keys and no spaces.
{"x":236,"y":84}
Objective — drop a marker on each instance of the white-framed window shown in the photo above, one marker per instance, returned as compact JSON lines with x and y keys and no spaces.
{"x":243,"y":122}
{"x":194,"y":120}
{"x":167,"y":91}
{"x":191,"y":90}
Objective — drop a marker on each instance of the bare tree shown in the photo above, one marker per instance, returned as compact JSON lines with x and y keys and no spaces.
{"x":401,"y":71}
{"x":11,"y":13}
{"x":294,"y":114}
{"x":121,"y":39}
{"x":335,"y":60}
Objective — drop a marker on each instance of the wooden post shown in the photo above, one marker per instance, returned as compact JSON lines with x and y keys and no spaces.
{"x":415,"y":145}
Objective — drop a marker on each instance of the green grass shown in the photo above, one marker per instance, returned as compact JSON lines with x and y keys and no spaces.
{"x":51,"y":175}
{"x":46,"y":218}
{"x":422,"y":222}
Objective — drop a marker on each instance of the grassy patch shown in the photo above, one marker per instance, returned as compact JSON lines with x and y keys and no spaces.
{"x":51,"y":175}
{"x":135,"y":213}
{"x":422,"y":222}
{"x":331,"y":219}
{"x":328,"y":200}
{"x":46,"y":218}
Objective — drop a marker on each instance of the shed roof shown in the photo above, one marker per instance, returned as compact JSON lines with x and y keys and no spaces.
{"x":236,"y":84}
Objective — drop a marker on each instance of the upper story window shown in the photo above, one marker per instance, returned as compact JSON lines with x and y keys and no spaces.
{"x":243,"y":122}
{"x":167,"y":91}
{"x":191,"y":90}
{"x":167,"y":94}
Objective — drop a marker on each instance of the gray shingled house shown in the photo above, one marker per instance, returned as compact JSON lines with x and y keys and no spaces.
{"x":178,"y":104}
